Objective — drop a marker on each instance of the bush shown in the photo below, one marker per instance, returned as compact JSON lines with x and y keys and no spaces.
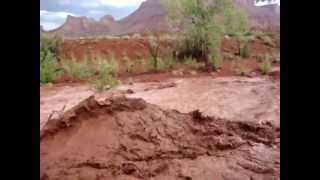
{"x":51,"y":44}
{"x":190,"y":61}
{"x":100,"y":72}
{"x":229,"y":55}
{"x":244,"y":49}
{"x":265,"y":66}
{"x":260,"y":58}
{"x":167,"y":63}
{"x":216,"y":60}
{"x":265,"y":37}
{"x":50,"y":49}
{"x":105,"y":75}
{"x":128,"y":64}
{"x":272,"y":57}
{"x":244,"y":71}
{"x":49,"y":69}
{"x":78,"y":70}
{"x":202,"y":24}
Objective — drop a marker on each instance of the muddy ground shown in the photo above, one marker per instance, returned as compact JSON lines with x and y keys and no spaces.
{"x":155,"y":131}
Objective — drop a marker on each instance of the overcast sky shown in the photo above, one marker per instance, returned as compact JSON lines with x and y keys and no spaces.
{"x":54,"y":12}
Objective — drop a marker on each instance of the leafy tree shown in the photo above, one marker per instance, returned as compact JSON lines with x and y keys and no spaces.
{"x":203,"y":23}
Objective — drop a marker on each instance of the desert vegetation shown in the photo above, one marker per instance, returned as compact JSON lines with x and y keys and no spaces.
{"x":202,"y":25}
{"x":50,"y":47}
{"x":99,"y":71}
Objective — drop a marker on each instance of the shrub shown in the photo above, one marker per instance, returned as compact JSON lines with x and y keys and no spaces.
{"x":191,"y":62}
{"x":244,"y":49}
{"x":202,"y":25}
{"x":265,"y":37}
{"x":50,"y":49}
{"x":78,"y":70}
{"x":265,"y":66}
{"x":216,"y":60}
{"x":244,"y":70}
{"x":167,"y":62}
{"x":229,"y":55}
{"x":105,"y":78}
{"x":100,"y":72}
{"x":272,"y":57}
{"x":260,"y":58}
{"x":128,"y":64}
{"x":49,"y":69}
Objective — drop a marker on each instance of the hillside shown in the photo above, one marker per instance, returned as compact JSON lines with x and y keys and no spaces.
{"x":150,"y":15}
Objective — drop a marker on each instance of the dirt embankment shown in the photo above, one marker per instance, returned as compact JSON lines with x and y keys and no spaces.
{"x":120,"y":138}
{"x":136,"y":49}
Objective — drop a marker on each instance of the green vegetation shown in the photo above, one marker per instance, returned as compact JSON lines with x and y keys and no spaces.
{"x":244,"y":71}
{"x":216,"y":60}
{"x":265,"y":66}
{"x":167,"y":62}
{"x":105,"y":78}
{"x":153,"y":47}
{"x":100,"y":72}
{"x":128,"y":64}
{"x":273,"y":57}
{"x":265,"y":37}
{"x":203,"y":25}
{"x":229,"y":55}
{"x":78,"y":70}
{"x":244,"y":48}
{"x":49,"y":69}
{"x":191,"y":61}
{"x":50,"y":49}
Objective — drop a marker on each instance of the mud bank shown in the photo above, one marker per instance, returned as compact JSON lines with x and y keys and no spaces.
{"x":126,"y":138}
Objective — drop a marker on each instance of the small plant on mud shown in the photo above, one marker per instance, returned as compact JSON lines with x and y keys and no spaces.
{"x":216,"y":60}
{"x":167,"y":62}
{"x":244,"y":48}
{"x":78,"y":70}
{"x":260,"y":58}
{"x":229,"y":56}
{"x":105,"y":75}
{"x":265,"y":66}
{"x":128,"y":64}
{"x":191,"y":62}
{"x":244,"y":71}
{"x":272,"y":57}
{"x":265,"y":37}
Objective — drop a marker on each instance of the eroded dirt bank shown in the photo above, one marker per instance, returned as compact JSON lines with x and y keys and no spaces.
{"x":114,"y":137}
{"x":233,"y":98}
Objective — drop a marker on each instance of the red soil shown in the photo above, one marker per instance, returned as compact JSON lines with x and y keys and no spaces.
{"x":136,"y":48}
{"x":120,"y":138}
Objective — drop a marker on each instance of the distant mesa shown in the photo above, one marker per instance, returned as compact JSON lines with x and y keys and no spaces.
{"x":150,"y":15}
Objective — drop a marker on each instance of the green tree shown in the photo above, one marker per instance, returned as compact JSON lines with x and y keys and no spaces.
{"x":203,"y":23}
{"x":50,"y":49}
